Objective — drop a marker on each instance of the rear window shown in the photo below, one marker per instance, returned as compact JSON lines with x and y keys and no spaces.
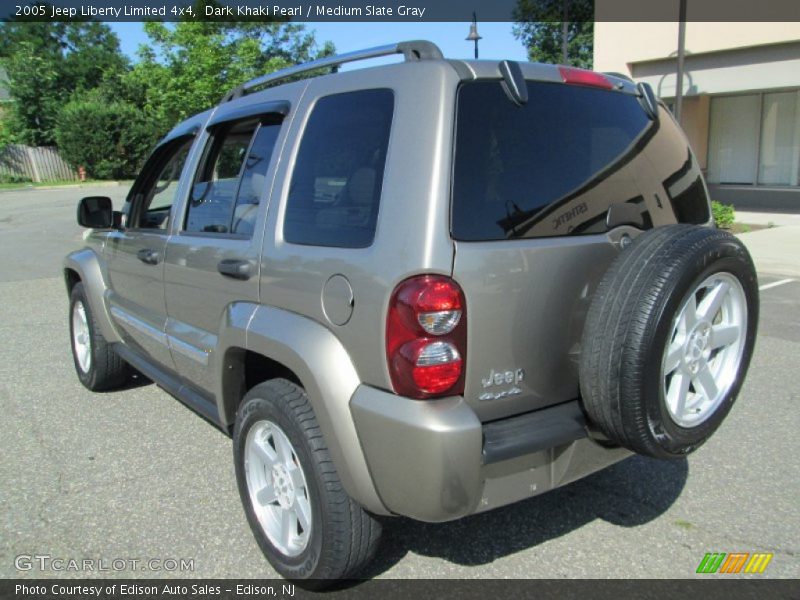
{"x":514,"y":165}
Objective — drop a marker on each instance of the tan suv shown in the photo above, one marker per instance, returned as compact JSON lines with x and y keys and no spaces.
{"x":428,"y":288}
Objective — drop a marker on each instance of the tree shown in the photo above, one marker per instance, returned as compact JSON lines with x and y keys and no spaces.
{"x":110,"y":139}
{"x":539,"y":25}
{"x":49,"y":62}
{"x":5,"y":134}
{"x":71,"y":85}
{"x":187,"y":66}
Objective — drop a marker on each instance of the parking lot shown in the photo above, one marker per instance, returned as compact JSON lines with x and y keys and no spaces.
{"x":135,"y":475}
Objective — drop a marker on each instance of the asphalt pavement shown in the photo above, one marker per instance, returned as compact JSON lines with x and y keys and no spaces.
{"x":133,"y":474}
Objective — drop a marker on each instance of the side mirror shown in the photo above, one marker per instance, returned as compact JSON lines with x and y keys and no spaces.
{"x":96,"y":212}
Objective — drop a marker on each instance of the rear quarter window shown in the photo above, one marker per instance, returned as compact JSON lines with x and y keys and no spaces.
{"x":335,"y":190}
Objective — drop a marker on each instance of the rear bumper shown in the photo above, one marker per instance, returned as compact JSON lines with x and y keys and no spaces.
{"x":435,"y":461}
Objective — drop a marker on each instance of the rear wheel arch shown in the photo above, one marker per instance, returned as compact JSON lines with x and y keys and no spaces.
{"x":303,"y":351}
{"x":244,"y":369}
{"x":306,"y":524}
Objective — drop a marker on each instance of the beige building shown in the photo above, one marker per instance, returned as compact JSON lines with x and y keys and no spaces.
{"x":741,"y":107}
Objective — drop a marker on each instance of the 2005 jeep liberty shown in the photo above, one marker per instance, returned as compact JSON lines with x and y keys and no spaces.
{"x":428,"y":288}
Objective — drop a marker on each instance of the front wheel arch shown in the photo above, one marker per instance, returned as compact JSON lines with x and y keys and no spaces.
{"x":71,"y":278}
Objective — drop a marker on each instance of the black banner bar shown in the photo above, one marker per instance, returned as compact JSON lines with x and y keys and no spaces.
{"x":733,"y":588}
{"x":392,"y":10}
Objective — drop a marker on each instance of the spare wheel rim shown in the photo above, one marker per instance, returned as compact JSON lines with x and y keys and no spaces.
{"x":703,"y":353}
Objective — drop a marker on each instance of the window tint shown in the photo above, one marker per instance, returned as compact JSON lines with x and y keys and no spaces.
{"x":158,"y":195}
{"x":336,"y":185}
{"x":232,"y":177}
{"x":513,"y":164}
{"x":214,"y":191}
{"x":254,"y":179}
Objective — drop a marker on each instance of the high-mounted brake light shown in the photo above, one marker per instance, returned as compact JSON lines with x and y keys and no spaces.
{"x":426,"y":337}
{"x":577,"y":76}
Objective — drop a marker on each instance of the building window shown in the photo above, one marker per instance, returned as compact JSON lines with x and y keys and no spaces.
{"x":754,"y":139}
{"x":779,"y":158}
{"x":732,"y":151}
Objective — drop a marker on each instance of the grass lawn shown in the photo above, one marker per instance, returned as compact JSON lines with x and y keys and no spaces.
{"x":31,"y":184}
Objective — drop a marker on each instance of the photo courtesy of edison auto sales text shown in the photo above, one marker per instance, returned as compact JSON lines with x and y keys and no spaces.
{"x":167,"y":589}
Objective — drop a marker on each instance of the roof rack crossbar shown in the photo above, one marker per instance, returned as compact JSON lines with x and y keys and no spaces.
{"x":411,"y":50}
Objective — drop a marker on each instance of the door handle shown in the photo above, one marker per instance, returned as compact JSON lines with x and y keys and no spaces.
{"x":235,"y":268}
{"x":148,"y":256}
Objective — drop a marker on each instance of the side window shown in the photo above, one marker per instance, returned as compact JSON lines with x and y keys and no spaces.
{"x":254,"y":179}
{"x":335,"y":189}
{"x":154,"y":196}
{"x":232,"y":178}
{"x":214,"y":190}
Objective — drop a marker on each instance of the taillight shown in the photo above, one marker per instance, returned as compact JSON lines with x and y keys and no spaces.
{"x":426,"y":337}
{"x":584,"y":77}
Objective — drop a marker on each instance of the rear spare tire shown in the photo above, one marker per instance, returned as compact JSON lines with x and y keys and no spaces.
{"x":668,"y":339}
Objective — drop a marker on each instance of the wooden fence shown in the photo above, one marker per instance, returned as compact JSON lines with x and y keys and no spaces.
{"x":37,"y":164}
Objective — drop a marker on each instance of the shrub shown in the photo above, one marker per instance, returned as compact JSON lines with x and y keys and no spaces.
{"x":724,"y":215}
{"x":110,"y":139}
{"x":14,"y":179}
{"x":6,"y":136}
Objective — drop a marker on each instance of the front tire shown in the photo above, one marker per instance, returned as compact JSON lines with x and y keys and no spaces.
{"x":98,"y":366}
{"x":306,"y":525}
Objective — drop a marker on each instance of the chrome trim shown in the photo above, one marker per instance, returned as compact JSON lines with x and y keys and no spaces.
{"x":127,"y":319}
{"x":188,"y":350}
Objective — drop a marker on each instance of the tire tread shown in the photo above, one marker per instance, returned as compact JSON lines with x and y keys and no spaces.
{"x":353,"y":534}
{"x":108,"y":370}
{"x":621,"y":323}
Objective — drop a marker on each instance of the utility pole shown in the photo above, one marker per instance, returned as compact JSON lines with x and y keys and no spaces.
{"x":681,"y":54}
{"x":565,"y":33}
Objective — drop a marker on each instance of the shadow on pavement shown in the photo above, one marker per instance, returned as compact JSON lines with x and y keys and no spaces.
{"x":136,"y":380}
{"x":630,"y":493}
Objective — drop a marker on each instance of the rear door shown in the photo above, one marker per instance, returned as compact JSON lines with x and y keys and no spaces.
{"x":540,"y":192}
{"x":213,"y":260}
{"x":136,"y":253}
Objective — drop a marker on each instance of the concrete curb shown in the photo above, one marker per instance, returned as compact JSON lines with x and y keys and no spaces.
{"x":767,"y":218}
{"x":775,"y":250}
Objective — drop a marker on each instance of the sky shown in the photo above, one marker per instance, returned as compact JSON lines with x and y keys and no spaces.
{"x":497,"y":42}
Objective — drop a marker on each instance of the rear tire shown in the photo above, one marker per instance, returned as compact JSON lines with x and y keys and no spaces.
{"x":283,"y":467}
{"x":98,"y":366}
{"x":668,"y":339}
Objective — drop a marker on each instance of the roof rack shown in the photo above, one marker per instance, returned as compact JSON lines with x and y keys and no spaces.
{"x":412,"y":51}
